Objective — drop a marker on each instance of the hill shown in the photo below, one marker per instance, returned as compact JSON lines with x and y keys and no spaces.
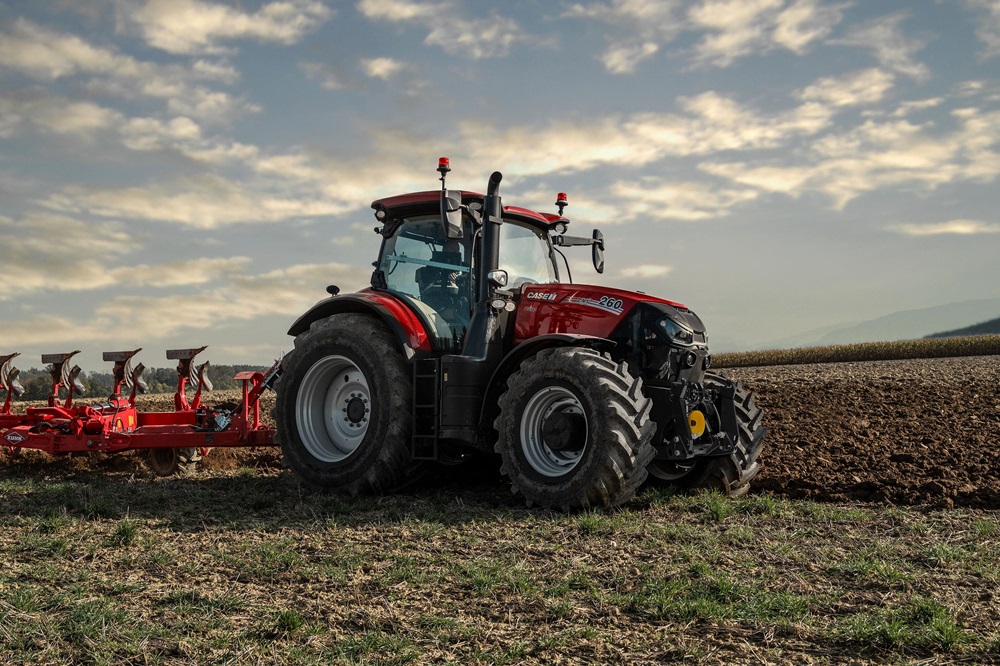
{"x":903,"y":325}
{"x":991,"y":327}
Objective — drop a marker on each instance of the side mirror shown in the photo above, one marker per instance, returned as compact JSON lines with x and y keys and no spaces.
{"x":451,"y":214}
{"x":598,"y":251}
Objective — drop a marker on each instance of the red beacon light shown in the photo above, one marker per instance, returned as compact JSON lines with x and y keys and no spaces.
{"x":561,"y":202}
{"x":444,"y":166}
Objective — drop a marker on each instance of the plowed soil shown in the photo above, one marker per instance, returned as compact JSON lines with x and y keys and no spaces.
{"x":913,"y":432}
{"x":904,"y":432}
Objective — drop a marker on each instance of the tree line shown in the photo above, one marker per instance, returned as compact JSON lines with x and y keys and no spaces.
{"x":38,"y":383}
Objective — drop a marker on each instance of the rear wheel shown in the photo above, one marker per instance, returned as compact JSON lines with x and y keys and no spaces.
{"x":343,"y":407}
{"x":574,"y":430}
{"x":730,"y":475}
{"x":171,"y":461}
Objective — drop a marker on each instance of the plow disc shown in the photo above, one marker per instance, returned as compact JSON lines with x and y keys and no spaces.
{"x":176,"y":440}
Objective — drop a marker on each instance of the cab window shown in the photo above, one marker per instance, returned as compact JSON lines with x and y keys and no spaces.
{"x":526,"y":255}
{"x":432,"y":273}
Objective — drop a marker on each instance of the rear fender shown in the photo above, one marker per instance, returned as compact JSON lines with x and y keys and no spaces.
{"x":510,"y":362}
{"x":409,"y":330}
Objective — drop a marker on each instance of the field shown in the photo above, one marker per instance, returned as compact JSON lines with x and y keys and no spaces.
{"x":872,"y":536}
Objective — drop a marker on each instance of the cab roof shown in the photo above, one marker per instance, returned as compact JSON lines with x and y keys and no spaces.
{"x":403,"y":204}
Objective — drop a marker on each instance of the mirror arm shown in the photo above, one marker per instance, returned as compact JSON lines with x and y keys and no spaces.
{"x":573,"y":241}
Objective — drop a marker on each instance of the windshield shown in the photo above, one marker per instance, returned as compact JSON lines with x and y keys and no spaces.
{"x":525,"y":255}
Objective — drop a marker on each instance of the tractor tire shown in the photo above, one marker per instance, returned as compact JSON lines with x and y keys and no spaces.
{"x":574,"y":430}
{"x":173,"y":461}
{"x":343,"y":408}
{"x":729,"y":475}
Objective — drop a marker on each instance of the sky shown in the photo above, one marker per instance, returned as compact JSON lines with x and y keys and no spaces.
{"x":179,"y":173}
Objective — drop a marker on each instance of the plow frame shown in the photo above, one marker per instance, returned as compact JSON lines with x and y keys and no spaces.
{"x":116,"y":425}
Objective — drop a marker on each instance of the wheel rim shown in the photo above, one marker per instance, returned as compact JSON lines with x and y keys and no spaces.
{"x":545,"y":403}
{"x":333,"y":409}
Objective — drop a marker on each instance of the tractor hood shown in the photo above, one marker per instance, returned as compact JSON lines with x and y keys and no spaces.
{"x":588,"y":310}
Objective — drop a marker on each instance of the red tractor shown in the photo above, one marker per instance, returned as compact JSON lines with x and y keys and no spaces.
{"x":473,"y":337}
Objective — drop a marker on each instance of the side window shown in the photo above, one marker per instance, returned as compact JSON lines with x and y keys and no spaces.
{"x":432,"y":272}
{"x":402,"y":261}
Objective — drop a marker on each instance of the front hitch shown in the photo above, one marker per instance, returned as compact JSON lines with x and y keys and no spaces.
{"x":682,"y":434}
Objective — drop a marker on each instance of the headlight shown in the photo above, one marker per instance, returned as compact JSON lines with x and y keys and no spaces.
{"x":676,"y":332}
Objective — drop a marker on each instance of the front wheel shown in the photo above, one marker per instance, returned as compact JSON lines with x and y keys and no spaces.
{"x":343,"y":407}
{"x":574,"y":430}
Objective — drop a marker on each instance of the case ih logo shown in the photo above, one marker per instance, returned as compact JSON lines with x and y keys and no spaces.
{"x":542,"y":295}
{"x":15,"y":437}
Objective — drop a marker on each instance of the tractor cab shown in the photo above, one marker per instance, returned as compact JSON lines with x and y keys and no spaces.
{"x":436,"y":275}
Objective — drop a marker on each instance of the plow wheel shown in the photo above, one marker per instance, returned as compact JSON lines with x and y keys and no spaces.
{"x":730,"y":475}
{"x":343,"y":407}
{"x":574,"y":430}
{"x":168,"y":462}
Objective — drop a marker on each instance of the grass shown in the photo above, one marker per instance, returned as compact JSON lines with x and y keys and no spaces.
{"x":184,"y":571}
{"x":979,"y":345}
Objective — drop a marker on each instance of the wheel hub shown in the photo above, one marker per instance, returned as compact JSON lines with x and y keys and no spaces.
{"x":356,"y":409}
{"x":564,"y":431}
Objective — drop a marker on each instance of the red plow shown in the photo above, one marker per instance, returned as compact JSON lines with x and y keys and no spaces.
{"x":174,"y":439}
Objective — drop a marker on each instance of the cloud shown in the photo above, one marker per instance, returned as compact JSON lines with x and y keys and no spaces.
{"x":885,"y":39}
{"x":640,"y":28}
{"x":880,"y":154}
{"x":736,"y":28}
{"x":403,"y":10}
{"x":730,"y":29}
{"x":381,"y":68}
{"x":860,"y":88}
{"x":708,"y":123}
{"x":623,"y":58}
{"x":191,"y":27}
{"x":448,"y":28}
{"x":645,"y":271}
{"x":205,"y":202}
{"x":956,"y":227}
{"x":54,"y":115}
{"x":180,"y":273}
{"x":48,"y":55}
{"x":330,"y":77}
{"x":988,"y":28}
{"x":906,"y":108}
{"x":89,"y":256}
{"x":803,"y":22}
{"x":703,"y":125}
{"x":651,"y":198}
{"x":184,"y":136}
{"x":283,"y":292}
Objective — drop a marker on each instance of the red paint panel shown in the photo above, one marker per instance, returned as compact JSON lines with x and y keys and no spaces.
{"x":530,"y":214}
{"x":415,"y":198}
{"x":575,"y":308}
{"x":166,"y":418}
{"x":412,"y":326}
